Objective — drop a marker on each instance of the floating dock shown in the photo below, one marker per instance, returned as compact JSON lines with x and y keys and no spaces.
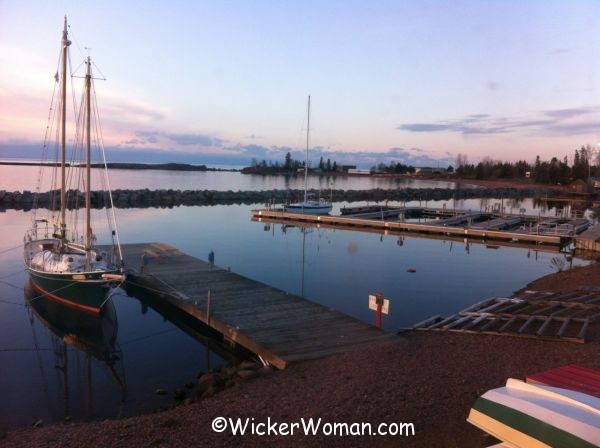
{"x":280,"y":328}
{"x":525,"y":230}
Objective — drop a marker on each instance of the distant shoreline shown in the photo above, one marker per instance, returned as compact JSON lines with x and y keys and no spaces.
{"x":133,"y":166}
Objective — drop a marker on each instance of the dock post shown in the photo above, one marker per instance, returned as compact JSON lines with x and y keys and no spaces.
{"x":380,"y":304}
{"x":208,"y":308}
{"x":378,"y":316}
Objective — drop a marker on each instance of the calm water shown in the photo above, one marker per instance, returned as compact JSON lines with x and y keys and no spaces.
{"x":19,"y":178}
{"x":45,"y":373}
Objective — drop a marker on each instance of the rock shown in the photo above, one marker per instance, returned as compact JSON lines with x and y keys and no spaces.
{"x":179,"y":394}
{"x":188,"y":401}
{"x":265,"y":370}
{"x":248,"y":365}
{"x":247,"y":374}
{"x":211,"y":391}
{"x":170,"y":198}
{"x":190,"y":385}
{"x":228,"y":371}
{"x":161,"y":392}
{"x":206,"y":381}
{"x":38,"y":423}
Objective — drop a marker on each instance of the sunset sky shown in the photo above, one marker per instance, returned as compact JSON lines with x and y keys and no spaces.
{"x":222,"y":82}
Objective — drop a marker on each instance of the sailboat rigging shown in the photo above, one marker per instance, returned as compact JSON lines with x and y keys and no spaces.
{"x":70,"y":268}
{"x":310,"y":205}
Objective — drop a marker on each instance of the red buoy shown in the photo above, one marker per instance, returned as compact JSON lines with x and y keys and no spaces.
{"x":411,"y":270}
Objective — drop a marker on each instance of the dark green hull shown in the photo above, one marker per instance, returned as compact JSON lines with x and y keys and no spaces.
{"x":88,"y":295}
{"x":94,"y":334}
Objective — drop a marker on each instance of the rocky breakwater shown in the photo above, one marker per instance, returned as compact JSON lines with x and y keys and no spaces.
{"x":27,"y":200}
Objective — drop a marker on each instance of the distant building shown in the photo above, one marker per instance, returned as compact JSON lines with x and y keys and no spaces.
{"x":345,"y":168}
{"x":422,"y":170}
{"x":579,"y":187}
{"x":595,"y":181}
{"x":527,"y":174}
{"x":359,"y":171}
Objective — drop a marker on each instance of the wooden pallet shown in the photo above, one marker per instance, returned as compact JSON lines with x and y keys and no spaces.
{"x":553,"y":316}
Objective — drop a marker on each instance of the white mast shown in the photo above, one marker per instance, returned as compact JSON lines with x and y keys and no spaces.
{"x":63,"y":201}
{"x":88,"y":187}
{"x":306,"y":162}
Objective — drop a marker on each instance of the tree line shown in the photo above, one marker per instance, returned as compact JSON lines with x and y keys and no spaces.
{"x":554,"y":171}
{"x":289,"y":165}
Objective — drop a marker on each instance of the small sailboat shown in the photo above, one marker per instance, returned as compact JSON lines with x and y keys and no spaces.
{"x":60,"y":254}
{"x":311,"y":205}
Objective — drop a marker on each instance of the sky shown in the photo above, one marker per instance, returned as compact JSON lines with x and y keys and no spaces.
{"x":226,"y":81}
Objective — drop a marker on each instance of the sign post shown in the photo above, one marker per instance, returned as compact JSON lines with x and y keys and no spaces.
{"x":379,"y":304}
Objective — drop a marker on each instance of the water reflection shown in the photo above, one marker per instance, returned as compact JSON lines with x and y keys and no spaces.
{"x":94,"y":336}
{"x":218,"y":351}
{"x":341,"y":269}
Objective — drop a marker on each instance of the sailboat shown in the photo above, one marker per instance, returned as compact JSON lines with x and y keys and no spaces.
{"x":60,"y":254}
{"x":310,"y":205}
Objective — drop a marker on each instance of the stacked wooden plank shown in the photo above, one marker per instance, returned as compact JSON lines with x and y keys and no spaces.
{"x":535,"y":416}
{"x":539,"y":315}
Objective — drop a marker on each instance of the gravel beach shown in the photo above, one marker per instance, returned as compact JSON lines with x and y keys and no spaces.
{"x":427,"y":379}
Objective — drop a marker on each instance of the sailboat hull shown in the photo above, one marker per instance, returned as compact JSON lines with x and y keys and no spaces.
{"x":309,"y":209}
{"x":87,"y":295}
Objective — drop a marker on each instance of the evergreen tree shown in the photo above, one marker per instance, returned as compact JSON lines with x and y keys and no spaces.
{"x":288,"y":162}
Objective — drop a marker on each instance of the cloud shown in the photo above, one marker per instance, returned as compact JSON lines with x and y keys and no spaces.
{"x":194,"y":139}
{"x":128,"y":111}
{"x":570,"y":113}
{"x":134,"y":141}
{"x":169,"y":139}
{"x":557,"y":51}
{"x":577,"y":120}
{"x":424,"y":127}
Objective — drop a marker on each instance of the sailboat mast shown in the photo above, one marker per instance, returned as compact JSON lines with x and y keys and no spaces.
{"x":63,"y":139}
{"x":88,"y":156}
{"x":306,"y":162}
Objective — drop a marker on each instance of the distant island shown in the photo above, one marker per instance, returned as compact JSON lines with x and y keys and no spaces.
{"x":131,"y":166}
{"x":291,"y":166}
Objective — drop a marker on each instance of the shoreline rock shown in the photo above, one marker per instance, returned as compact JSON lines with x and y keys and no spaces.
{"x":27,"y":200}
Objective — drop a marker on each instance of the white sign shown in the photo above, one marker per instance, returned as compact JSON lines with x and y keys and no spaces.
{"x":385,"y":306}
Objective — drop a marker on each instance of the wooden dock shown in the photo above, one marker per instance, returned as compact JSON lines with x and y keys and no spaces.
{"x":589,"y":239}
{"x":280,"y":328}
{"x":399,"y":226}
